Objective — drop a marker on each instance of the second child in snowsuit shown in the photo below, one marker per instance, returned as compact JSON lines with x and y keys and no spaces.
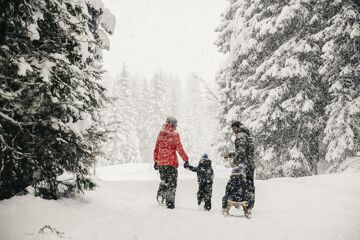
{"x":238,"y":190}
{"x":205,"y":176}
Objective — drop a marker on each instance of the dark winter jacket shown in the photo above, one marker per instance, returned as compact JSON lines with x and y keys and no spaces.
{"x":244,"y":149}
{"x":167,"y":144}
{"x":205,"y":173}
{"x":237,"y":189}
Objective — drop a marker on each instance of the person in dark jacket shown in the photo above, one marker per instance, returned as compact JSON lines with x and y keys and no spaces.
{"x":238,"y":191}
{"x":244,"y":154}
{"x":205,"y":176}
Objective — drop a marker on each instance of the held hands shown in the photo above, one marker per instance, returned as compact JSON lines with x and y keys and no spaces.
{"x":186,"y":164}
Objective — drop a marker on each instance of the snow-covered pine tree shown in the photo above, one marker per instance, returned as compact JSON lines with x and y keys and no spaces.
{"x":225,"y":78}
{"x":174,"y":95}
{"x":112,"y":154}
{"x":158,"y":95}
{"x":123,"y":145}
{"x":157,"y":110}
{"x":50,"y":93}
{"x":340,"y":71}
{"x":225,"y":29}
{"x":194,"y":118}
{"x":271,"y":84}
{"x":144,"y":109}
{"x":293,"y":65}
{"x":208,"y":113}
{"x":140,"y":93}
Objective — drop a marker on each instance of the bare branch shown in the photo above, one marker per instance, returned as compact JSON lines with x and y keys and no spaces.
{"x":211,"y":93}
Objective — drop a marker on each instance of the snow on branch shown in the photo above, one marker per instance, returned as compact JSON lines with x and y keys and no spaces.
{"x":10,"y":119}
{"x":108,"y":21}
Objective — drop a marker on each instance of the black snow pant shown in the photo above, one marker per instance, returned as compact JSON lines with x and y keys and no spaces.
{"x":250,"y":179}
{"x":167,"y":186}
{"x":204,"y":194}
{"x":237,"y":190}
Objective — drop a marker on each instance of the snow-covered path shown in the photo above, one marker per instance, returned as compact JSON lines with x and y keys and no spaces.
{"x":322,"y":207}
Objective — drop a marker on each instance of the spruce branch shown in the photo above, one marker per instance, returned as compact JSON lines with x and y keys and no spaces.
{"x":9,"y":119}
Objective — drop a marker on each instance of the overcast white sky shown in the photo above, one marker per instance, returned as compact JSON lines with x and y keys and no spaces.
{"x":175,"y":36}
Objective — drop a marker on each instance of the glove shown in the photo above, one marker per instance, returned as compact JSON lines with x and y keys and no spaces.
{"x":186,"y":164}
{"x":156,"y":167}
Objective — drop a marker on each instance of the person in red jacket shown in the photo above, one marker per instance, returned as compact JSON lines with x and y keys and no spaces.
{"x":165,"y":160}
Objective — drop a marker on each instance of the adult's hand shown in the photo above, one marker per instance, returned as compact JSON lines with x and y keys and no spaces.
{"x":156,"y":167}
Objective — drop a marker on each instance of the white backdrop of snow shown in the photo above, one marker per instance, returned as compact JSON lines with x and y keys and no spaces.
{"x":323,"y":207}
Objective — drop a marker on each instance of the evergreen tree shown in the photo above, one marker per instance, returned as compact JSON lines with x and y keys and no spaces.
{"x":50,"y":93}
{"x":226,"y":77}
{"x":225,"y":29}
{"x":340,"y":41}
{"x":145,"y":110}
{"x":140,"y":93}
{"x":113,"y":154}
{"x":192,"y":122}
{"x":123,"y":147}
{"x":272,"y":82}
{"x":174,"y":95}
{"x":157,"y":108}
{"x":197,"y":123}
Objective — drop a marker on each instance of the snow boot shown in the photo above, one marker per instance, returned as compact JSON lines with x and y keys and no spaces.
{"x":160,"y":199}
{"x":170,"y":205}
{"x":225,"y":212}
{"x":247,"y":209}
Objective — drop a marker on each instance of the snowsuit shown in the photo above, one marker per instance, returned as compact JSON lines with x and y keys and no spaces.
{"x":244,"y":154}
{"x":167,"y":144}
{"x":205,"y":176}
{"x":238,"y":189}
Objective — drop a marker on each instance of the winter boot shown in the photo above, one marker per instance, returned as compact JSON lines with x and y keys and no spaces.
{"x":170,"y":205}
{"x":207,"y":205}
{"x":247,"y":209}
{"x":160,"y":199}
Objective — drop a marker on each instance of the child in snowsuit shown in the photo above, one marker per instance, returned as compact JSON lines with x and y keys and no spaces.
{"x":238,"y":191}
{"x":205,"y":176}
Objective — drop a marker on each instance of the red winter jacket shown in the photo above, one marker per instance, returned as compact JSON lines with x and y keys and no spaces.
{"x":167,"y":143}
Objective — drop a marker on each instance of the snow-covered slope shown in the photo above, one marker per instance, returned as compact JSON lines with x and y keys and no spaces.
{"x":123,"y":207}
{"x":351,"y":165}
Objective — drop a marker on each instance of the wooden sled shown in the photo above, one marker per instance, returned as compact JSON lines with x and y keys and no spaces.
{"x":244,"y":205}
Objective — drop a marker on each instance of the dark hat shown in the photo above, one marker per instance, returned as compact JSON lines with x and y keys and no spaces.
{"x":236,"y":124}
{"x":239,"y":170}
{"x":204,"y":156}
{"x":171,"y":120}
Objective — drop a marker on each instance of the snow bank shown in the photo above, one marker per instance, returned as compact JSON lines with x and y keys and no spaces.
{"x":351,"y":165}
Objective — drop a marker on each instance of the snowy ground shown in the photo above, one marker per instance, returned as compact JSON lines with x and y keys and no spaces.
{"x":123,"y":207}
